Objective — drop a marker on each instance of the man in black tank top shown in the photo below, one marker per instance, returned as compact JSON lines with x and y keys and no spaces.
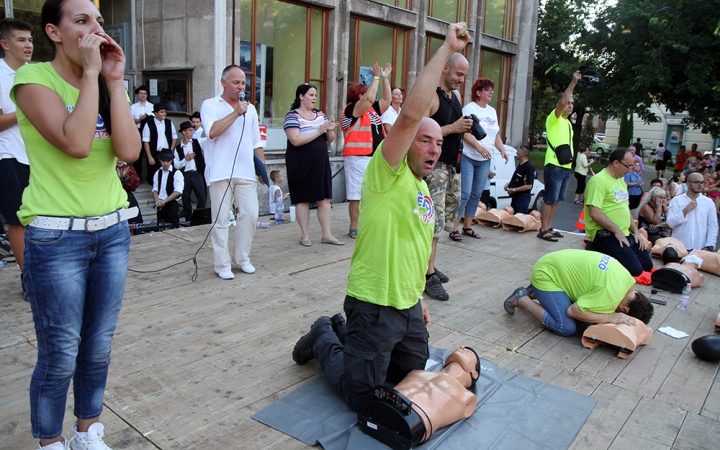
{"x":444,"y":183}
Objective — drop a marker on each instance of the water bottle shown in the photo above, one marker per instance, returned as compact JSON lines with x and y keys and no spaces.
{"x":279,"y":210}
{"x":3,"y":264}
{"x":685,"y":297}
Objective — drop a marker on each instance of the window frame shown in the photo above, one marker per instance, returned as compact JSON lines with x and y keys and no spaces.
{"x":147,"y":75}
{"x":317,"y":81}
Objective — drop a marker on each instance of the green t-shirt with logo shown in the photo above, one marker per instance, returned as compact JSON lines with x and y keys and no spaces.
{"x":397,"y":220}
{"x":61,"y":185}
{"x":558,"y":131}
{"x":611,"y":196}
{"x":596,"y":282}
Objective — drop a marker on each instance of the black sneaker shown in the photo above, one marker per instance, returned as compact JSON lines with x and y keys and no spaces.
{"x":339,"y":326}
{"x":441,"y":276}
{"x":434,"y":288}
{"x":303,"y":351}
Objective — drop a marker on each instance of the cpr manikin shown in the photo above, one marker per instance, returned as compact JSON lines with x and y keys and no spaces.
{"x":522,"y":222}
{"x":423,"y":402}
{"x":494,"y":217}
{"x":627,"y":337}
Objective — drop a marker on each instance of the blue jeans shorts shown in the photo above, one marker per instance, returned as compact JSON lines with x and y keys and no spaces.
{"x":556,"y":181}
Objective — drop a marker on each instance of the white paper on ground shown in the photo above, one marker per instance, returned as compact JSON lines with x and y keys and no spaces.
{"x":670,"y":331}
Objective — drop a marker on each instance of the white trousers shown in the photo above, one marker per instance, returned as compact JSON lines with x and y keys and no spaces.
{"x":244,"y":192}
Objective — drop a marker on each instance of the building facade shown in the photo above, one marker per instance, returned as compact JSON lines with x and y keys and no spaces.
{"x":178,"y":48}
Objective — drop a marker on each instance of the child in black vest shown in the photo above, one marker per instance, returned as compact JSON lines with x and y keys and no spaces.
{"x":168,"y":186}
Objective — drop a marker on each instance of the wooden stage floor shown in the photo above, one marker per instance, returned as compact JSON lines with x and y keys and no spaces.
{"x":192,"y":361}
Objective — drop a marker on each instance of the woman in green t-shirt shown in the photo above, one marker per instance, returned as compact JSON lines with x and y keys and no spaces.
{"x":74,"y":117}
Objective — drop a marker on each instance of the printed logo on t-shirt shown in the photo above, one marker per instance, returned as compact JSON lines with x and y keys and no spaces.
{"x":620,"y":196}
{"x":425,"y":209}
{"x":603,"y":264}
{"x":100,"y":130}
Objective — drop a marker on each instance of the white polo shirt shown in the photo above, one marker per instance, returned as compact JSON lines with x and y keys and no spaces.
{"x":236,"y":145}
{"x":11,"y":143}
{"x":137,"y":110}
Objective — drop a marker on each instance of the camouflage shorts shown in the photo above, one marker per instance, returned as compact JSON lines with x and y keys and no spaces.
{"x":444,"y":185}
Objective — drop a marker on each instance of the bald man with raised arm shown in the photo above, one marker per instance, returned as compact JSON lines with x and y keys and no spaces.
{"x":386,"y":332}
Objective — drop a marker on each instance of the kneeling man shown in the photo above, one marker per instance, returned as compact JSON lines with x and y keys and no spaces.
{"x":580,"y":285}
{"x":386,"y":336}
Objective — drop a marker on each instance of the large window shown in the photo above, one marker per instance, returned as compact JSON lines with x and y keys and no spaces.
{"x":498,"y":18}
{"x":405,"y":4}
{"x":171,"y":88}
{"x":370,"y":42}
{"x":450,"y":11}
{"x":496,"y":67}
{"x":282,"y":45}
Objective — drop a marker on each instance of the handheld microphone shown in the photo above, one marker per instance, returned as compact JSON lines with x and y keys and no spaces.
{"x":241,"y":97}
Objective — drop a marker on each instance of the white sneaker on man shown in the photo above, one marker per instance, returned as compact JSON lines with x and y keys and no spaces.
{"x":247,"y":268}
{"x":227,"y":275}
{"x":60,"y":445}
{"x":90,"y":440}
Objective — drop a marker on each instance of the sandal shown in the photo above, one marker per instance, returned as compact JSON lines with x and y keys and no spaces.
{"x":555,"y":233}
{"x":546,"y":235}
{"x":470,"y":232}
{"x":455,"y":236}
{"x":353,"y":233}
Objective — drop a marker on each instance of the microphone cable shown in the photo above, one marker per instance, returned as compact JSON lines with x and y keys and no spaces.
{"x":193,"y":278}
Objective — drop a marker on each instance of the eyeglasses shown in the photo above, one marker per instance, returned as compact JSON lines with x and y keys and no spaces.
{"x":492,"y":91}
{"x":697,"y":182}
{"x":626,"y":166}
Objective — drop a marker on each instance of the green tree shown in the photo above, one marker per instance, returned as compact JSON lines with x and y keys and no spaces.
{"x":625,"y":134}
{"x":658,"y":51}
{"x":560,"y":25}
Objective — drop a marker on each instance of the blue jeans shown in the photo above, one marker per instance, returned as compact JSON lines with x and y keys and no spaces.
{"x":556,"y":180}
{"x":632,"y":258}
{"x":75,"y":282}
{"x":555,"y":317}
{"x":473,"y":175}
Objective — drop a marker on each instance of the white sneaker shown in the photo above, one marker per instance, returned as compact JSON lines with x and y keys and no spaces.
{"x":61,"y":445}
{"x":247,"y":268}
{"x":91,"y":440}
{"x":227,"y":275}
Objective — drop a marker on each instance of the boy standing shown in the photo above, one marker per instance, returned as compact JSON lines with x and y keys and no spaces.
{"x":168,"y":186}
{"x":16,"y":41}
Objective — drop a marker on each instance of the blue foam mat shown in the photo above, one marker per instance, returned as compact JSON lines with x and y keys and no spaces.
{"x":513,"y":412}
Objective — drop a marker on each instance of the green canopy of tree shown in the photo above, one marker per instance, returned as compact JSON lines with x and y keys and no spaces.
{"x":658,"y":51}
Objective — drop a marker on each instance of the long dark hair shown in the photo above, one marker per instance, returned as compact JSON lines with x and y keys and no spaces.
{"x":52,"y":14}
{"x":301,"y":90}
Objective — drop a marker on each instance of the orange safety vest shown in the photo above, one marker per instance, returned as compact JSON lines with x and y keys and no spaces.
{"x":580,"y":224}
{"x":358,"y":137}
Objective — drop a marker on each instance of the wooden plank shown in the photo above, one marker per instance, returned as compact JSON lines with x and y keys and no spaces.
{"x":697,"y":432}
{"x":613,"y":408}
{"x":711,"y":408}
{"x":652,"y":425}
{"x":651,"y":365}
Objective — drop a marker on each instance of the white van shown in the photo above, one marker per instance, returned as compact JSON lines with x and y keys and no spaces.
{"x":503,"y":174}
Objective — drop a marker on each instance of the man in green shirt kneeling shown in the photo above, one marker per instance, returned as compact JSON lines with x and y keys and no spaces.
{"x":580,"y":285}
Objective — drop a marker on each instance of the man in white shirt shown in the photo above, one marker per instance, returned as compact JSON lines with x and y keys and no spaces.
{"x":16,"y":41}
{"x":189,"y":159}
{"x":168,"y":186}
{"x":693,"y":217}
{"x":158,"y":134}
{"x":233,"y":141}
{"x":141,"y":111}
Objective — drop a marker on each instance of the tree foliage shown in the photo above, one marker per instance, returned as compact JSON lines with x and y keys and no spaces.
{"x":658,"y":51}
{"x":557,"y":56}
{"x":625,"y":134}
